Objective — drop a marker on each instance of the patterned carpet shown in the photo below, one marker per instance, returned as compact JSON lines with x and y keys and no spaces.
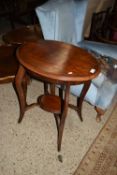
{"x":101,"y":159}
{"x":30,"y":148}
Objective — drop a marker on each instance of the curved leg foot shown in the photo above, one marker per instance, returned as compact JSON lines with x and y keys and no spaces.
{"x":100,"y":112}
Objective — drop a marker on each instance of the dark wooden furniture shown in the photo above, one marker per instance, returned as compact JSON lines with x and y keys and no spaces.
{"x":56,"y":63}
{"x":101,"y":27}
{"x":8,"y":63}
{"x":6,"y":10}
{"x":19,"y":11}
{"x":114,"y":15}
{"x":23,"y":34}
{"x":113,"y":25}
{"x":16,"y":37}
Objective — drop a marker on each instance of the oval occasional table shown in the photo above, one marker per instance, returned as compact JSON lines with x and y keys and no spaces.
{"x":23,"y":34}
{"x":56,"y":63}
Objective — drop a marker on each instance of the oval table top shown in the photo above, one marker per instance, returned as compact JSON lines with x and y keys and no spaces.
{"x":58,"y":61}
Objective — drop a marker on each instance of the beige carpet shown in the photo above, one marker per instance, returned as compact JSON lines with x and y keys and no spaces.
{"x":30,"y":148}
{"x":101,"y":159}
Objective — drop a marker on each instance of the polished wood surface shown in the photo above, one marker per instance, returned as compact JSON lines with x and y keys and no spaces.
{"x":45,"y":104}
{"x":58,"y":61}
{"x":8,"y":63}
{"x":54,"y":62}
{"x":23,"y":34}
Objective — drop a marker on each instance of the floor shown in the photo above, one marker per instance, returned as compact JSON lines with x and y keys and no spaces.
{"x":30,"y":148}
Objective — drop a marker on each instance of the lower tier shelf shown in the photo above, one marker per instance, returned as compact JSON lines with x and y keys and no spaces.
{"x":50,"y":103}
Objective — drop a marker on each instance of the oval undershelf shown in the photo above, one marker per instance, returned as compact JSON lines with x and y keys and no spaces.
{"x":50,"y":103}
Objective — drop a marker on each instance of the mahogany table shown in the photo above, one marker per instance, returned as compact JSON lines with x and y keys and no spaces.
{"x":23,"y":34}
{"x":57,"y":63}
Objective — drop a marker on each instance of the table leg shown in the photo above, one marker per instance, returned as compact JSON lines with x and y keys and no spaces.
{"x":78,"y":107}
{"x":52,"y":88}
{"x":21,"y":89}
{"x":81,"y":98}
{"x":56,"y":116}
{"x":46,"y":88}
{"x":63,"y":116}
